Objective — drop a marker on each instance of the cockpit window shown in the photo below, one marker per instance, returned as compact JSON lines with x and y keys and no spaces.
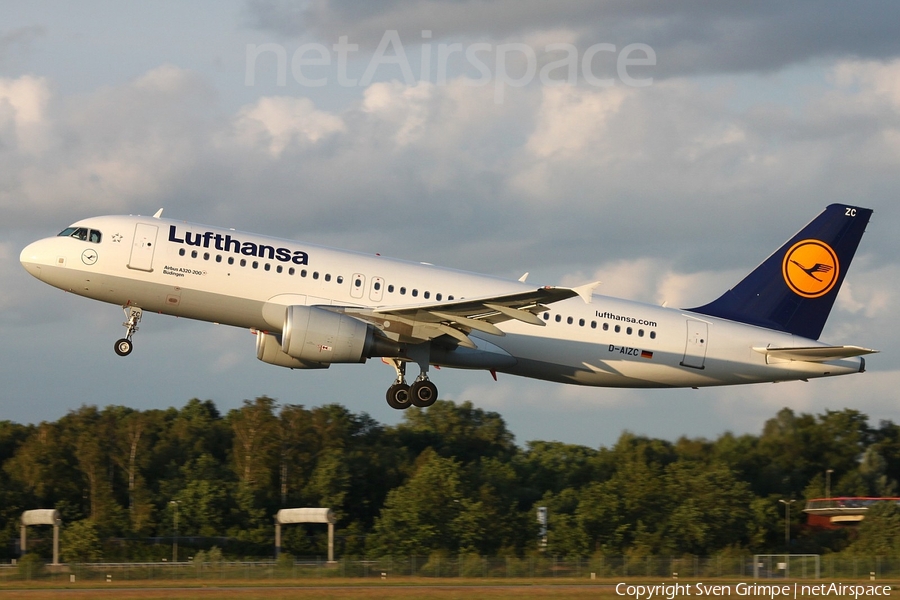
{"x":82,"y":233}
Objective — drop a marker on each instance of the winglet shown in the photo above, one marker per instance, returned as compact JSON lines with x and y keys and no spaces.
{"x":586,"y":291}
{"x":158,"y":214}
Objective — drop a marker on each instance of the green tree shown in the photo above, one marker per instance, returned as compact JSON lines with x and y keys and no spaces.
{"x":711,"y":509}
{"x":255,"y":436}
{"x":879,"y":532}
{"x":205,"y":500}
{"x":420,"y":516}
{"x":80,"y":542}
{"x":458,"y":431}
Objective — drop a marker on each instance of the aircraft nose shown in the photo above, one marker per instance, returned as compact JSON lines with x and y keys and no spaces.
{"x":33,"y":256}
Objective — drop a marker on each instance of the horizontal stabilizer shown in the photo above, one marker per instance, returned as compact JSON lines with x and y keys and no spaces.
{"x":815,"y":353}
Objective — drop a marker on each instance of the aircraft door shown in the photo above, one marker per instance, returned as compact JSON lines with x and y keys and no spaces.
{"x":357,"y":285}
{"x":143,"y":247}
{"x":376,"y":292}
{"x":695,"y":345}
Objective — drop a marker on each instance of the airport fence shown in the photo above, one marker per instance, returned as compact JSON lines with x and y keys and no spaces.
{"x":470,"y":566}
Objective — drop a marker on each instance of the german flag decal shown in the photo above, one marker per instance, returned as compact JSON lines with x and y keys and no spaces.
{"x":646,"y":354}
{"x":810,"y":268}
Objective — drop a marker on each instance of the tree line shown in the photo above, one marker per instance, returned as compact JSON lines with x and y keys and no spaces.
{"x":446,"y":479}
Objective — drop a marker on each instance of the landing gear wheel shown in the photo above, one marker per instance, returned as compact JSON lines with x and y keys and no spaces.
{"x":423,"y":393}
{"x":133,"y":316}
{"x":124,"y":347}
{"x":398,"y":396}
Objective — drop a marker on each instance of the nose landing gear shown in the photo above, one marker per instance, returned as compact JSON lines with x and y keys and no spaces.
{"x":124,"y":346}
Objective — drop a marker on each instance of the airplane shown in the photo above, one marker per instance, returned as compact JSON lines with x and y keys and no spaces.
{"x":311,"y":307}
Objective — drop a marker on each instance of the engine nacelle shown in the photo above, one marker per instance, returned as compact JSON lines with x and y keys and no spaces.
{"x":268,"y":350}
{"x":317,"y":335}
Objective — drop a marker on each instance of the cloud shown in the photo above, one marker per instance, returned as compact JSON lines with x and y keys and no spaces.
{"x":23,"y":114}
{"x":276,"y":122}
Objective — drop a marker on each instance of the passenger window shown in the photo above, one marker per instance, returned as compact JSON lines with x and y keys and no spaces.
{"x":206,"y":256}
{"x":243,"y":262}
{"x":340,"y":279}
{"x":193,"y":254}
{"x":315,"y":274}
{"x":255,"y":264}
{"x":546,"y":316}
{"x":267,"y":266}
{"x":581,"y":322}
{"x":230,"y":260}
{"x":402,"y":291}
{"x":327,"y":276}
{"x":593,"y":324}
{"x":218,"y":258}
{"x":427,"y":295}
{"x":391,"y":288}
{"x":377,"y":285}
{"x":640,"y":333}
{"x":652,"y":335}
{"x":628,"y":331}
{"x":618,"y":328}
{"x":279,"y":269}
{"x":569,"y":320}
{"x":438,"y":297}
{"x":558,"y":318}
{"x":181,"y":252}
{"x":606,"y":327}
{"x":415,"y":293}
{"x":291,"y":271}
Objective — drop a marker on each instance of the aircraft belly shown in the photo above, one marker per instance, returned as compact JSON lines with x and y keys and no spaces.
{"x":161,"y":298}
{"x":597,"y":364}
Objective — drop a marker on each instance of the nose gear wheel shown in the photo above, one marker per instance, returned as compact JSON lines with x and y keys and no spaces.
{"x":133,"y":314}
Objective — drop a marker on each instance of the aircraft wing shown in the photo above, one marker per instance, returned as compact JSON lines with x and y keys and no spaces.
{"x":458,"y":318}
{"x":815,"y":353}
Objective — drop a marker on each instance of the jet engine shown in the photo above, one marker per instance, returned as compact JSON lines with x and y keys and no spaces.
{"x":268,"y":350}
{"x":316,"y":335}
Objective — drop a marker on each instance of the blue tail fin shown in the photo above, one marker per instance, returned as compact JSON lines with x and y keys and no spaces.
{"x":794,"y":289}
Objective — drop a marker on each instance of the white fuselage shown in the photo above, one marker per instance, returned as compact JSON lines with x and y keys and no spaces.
{"x":246,"y":280}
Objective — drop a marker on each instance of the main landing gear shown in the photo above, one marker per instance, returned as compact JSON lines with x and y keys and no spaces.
{"x":422,"y":393}
{"x":133,"y":316}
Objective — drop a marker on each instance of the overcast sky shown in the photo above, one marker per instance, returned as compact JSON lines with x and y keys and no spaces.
{"x":663,"y":148}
